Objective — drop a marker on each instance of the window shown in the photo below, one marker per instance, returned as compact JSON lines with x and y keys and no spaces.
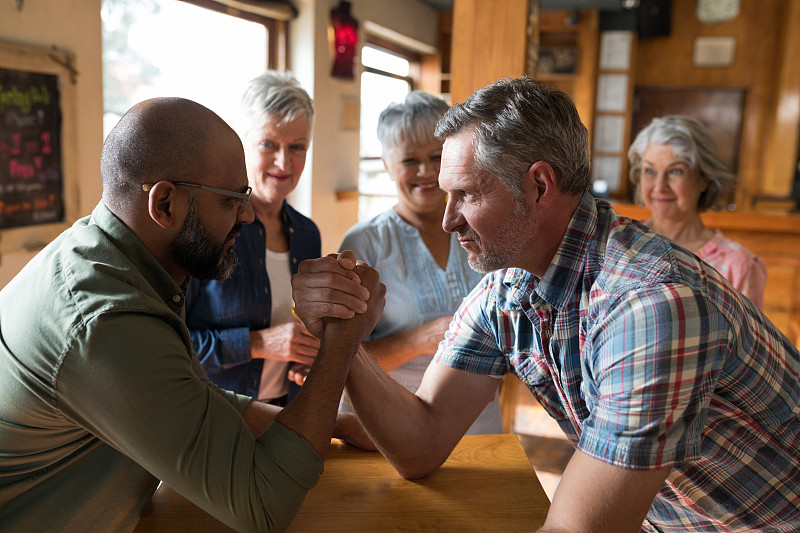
{"x":170,"y":48}
{"x":387,"y":78}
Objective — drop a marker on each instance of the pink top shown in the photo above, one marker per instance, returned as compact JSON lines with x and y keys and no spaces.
{"x":745,"y":270}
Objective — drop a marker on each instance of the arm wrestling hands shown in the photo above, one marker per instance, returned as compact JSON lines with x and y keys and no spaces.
{"x":314,"y":412}
{"x":415,"y":432}
{"x":331,"y":288}
{"x":338,"y":326}
{"x":319,"y":303}
{"x":291,"y":342}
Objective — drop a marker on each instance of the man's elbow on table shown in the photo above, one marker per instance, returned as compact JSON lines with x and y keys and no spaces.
{"x":419,"y":461}
{"x":286,"y":468}
{"x":416,"y":469}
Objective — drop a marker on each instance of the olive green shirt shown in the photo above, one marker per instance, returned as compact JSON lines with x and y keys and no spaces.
{"x":102,"y":395}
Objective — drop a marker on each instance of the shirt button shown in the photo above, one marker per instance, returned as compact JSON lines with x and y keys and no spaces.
{"x":260,"y":232}
{"x":294,"y":260}
{"x":176,"y":298}
{"x":291,"y":230}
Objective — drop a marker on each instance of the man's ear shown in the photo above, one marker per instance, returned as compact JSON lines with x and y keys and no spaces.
{"x":161,"y":203}
{"x":540,"y":183}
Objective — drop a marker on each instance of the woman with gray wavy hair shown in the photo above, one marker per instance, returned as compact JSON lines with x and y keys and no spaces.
{"x":678,"y":174}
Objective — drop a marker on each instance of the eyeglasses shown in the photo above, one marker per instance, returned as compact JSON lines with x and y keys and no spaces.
{"x":244,"y":197}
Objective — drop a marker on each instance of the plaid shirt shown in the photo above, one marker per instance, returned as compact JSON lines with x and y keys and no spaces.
{"x":648,"y":358}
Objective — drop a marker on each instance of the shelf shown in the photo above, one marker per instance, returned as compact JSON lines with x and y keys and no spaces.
{"x":555,"y":77}
{"x":567,"y":20}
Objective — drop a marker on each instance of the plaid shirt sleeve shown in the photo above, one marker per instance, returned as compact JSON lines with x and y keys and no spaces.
{"x":655,"y":359}
{"x":471,"y":343}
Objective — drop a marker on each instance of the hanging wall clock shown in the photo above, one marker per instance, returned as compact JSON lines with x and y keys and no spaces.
{"x":716,"y":11}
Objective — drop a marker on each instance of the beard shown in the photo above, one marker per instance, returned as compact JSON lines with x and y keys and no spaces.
{"x":194,"y":251}
{"x":506,"y":245}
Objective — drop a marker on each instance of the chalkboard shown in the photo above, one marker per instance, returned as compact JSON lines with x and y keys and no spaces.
{"x":31,"y":184}
{"x":39,"y":192}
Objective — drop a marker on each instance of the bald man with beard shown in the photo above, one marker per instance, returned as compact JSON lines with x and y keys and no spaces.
{"x":101,"y":393}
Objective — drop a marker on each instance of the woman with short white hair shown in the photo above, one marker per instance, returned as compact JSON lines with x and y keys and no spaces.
{"x":243,"y":329}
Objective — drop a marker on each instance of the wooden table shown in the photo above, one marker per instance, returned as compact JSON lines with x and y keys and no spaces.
{"x":487,"y":484}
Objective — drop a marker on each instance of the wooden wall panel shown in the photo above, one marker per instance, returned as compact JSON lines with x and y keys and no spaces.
{"x":783,"y":134}
{"x":588,"y":51}
{"x":489,"y":41}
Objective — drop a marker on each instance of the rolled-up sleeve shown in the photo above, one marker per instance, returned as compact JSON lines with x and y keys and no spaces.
{"x":143,"y":393}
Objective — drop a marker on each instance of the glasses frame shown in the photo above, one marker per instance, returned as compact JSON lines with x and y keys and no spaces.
{"x":244,"y":197}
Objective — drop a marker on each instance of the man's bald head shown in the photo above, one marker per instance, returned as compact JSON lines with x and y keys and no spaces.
{"x":158,"y":139}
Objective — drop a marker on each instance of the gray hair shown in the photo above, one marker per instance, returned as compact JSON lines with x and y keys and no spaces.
{"x":413,"y":120}
{"x":691,"y":141}
{"x":518,"y":122}
{"x":273,"y":93}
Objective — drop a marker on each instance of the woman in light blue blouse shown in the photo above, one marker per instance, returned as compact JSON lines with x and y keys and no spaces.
{"x":424,"y":268}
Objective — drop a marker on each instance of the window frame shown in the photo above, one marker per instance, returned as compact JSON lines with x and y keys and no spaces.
{"x":413,"y":79}
{"x":277,"y":31}
{"x":414,"y":61}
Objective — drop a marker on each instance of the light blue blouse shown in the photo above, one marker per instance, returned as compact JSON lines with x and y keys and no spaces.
{"x":417,"y":291}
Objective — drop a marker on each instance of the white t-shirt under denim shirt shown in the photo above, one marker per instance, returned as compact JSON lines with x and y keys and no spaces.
{"x":274,"y":382}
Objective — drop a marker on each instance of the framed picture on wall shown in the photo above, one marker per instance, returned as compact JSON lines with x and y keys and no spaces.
{"x":557,"y":60}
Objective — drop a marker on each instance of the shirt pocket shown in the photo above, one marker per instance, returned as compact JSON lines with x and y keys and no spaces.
{"x":532,"y":369}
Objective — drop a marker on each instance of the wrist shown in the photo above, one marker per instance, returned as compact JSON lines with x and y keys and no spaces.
{"x":341,"y":338}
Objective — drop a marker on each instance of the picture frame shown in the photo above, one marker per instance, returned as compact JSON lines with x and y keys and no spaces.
{"x":714,"y":51}
{"x":555,"y":60}
{"x":38,"y":146}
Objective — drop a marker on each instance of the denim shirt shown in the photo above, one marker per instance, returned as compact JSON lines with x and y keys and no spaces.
{"x":220,"y":315}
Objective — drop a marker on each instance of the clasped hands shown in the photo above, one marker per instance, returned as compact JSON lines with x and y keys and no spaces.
{"x":337,"y":291}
